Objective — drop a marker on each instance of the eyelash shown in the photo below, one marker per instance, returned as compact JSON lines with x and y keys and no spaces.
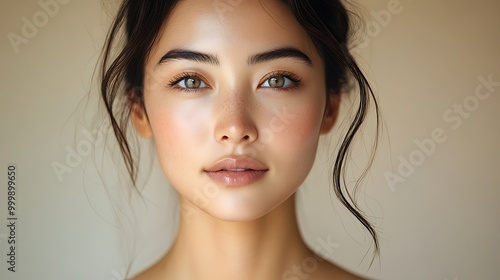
{"x":296,"y":81}
{"x":184,"y":75}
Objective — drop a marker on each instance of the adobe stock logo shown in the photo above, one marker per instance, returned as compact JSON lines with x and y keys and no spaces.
{"x":30,"y":27}
{"x":223,"y":6}
{"x":310,"y":265}
{"x":454,"y":117}
{"x":380,"y":20}
{"x":75,"y":156}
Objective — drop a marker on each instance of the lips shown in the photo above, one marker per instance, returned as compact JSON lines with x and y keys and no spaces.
{"x":236,"y":171}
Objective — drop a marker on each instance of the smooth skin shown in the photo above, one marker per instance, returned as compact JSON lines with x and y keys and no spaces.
{"x":222,"y":101}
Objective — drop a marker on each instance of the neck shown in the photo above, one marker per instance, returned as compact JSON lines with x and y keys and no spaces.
{"x":207,"y":248}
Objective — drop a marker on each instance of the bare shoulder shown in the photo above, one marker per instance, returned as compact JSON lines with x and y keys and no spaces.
{"x":329,"y":271}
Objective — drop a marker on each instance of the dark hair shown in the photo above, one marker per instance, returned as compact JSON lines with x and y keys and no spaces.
{"x":328,"y":24}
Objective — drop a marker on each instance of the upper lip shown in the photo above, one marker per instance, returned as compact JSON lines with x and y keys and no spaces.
{"x":234,"y":163}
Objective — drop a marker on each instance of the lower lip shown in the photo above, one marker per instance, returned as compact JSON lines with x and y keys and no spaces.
{"x":236,"y":179}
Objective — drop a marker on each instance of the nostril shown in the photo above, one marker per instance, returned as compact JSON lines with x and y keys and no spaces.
{"x":244,"y":138}
{"x":236,"y":133}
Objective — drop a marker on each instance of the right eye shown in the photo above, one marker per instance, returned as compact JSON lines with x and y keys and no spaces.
{"x":187,"y":82}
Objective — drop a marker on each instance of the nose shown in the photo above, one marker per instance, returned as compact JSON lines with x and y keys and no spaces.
{"x":234,"y":120}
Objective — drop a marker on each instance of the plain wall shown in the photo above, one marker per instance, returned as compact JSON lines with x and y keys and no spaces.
{"x":432,"y":191}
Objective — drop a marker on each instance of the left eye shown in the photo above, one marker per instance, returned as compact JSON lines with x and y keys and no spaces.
{"x":191,"y":83}
{"x":277,"y":82}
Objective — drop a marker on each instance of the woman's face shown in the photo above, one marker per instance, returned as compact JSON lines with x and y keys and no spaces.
{"x":235,"y":98}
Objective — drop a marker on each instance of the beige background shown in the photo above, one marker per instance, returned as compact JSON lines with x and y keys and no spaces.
{"x":440,"y":221}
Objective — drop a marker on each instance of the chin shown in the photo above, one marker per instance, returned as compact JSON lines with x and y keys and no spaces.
{"x":238,"y":215}
{"x":243,"y":208}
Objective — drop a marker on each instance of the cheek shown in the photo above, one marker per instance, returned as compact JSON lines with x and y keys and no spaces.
{"x":177,"y":129}
{"x":304,"y":133}
{"x":296,"y":143}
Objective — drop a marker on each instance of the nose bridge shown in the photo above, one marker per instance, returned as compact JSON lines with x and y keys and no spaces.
{"x":233,"y":103}
{"x":234,"y":122}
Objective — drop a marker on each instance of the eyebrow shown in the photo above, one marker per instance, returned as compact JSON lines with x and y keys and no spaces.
{"x":282,"y":52}
{"x":177,"y":54}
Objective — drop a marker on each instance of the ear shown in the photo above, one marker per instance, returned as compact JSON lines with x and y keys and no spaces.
{"x":331,"y":112}
{"x":141,"y":121}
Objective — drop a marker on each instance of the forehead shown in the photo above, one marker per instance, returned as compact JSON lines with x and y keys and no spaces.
{"x":232,"y":28}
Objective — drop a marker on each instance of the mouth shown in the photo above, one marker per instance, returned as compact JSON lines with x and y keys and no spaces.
{"x":236,"y":171}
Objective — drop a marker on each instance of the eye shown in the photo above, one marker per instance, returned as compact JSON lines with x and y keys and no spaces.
{"x":281,"y":81}
{"x":187,"y":82}
{"x":277,"y":82}
{"x":191,"y":83}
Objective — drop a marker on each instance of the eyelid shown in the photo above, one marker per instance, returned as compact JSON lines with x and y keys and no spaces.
{"x":296,"y":81}
{"x":173,"y":83}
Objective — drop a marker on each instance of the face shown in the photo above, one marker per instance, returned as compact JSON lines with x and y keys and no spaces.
{"x":235,"y":103}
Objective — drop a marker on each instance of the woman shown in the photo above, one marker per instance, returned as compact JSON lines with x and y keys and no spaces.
{"x":234,"y":95}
